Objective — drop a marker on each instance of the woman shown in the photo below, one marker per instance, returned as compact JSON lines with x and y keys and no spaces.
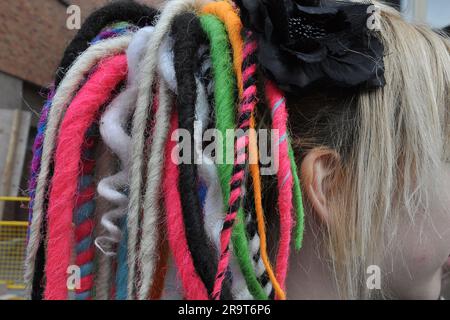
{"x":367,"y":95}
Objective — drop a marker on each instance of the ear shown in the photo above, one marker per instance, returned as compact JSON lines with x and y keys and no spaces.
{"x":317,"y":169}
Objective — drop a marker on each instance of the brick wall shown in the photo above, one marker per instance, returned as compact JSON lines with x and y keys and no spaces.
{"x":33,"y":36}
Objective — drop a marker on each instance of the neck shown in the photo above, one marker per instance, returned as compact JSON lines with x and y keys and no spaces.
{"x":309,"y":277}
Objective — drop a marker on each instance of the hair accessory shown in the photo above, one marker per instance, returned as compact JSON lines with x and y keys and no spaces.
{"x":315,"y":43}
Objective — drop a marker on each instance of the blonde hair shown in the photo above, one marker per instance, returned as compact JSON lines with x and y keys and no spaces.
{"x":387,"y":140}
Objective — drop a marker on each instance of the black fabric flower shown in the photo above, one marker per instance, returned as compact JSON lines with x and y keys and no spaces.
{"x":315,"y":43}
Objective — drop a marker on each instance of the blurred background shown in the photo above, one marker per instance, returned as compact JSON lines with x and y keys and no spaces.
{"x":33,"y":36}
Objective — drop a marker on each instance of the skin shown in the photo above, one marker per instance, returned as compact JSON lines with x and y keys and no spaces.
{"x":412,"y":269}
{"x":423,"y":250}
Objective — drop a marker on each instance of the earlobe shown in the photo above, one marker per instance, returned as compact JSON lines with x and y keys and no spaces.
{"x":317,"y":168}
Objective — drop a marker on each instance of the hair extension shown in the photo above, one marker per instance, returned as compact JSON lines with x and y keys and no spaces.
{"x":62,"y":97}
{"x":166,"y":70}
{"x":128,"y":11}
{"x":140,"y":119}
{"x":84,"y":217}
{"x":225,"y":88}
{"x":37,"y":147}
{"x":194,"y":288}
{"x":298,"y":201}
{"x":255,"y":227}
{"x":188,"y":36}
{"x":285,"y":181}
{"x":249,"y":102}
{"x":79,"y":116}
{"x":149,"y":241}
{"x":37,"y":153}
{"x":226,"y":13}
{"x":33,"y":276}
{"x":70,"y":55}
{"x":213,"y":204}
{"x":257,"y":238}
{"x":213,"y":212}
{"x":85,"y":207}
